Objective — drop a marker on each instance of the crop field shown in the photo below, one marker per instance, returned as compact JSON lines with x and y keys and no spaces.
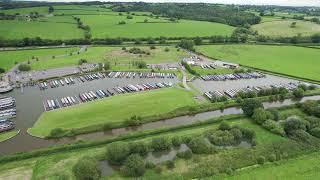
{"x":111,"y":110}
{"x":305,"y":167}
{"x":16,"y":29}
{"x":282,"y":28}
{"x":289,"y":60}
{"x":103,"y":26}
{"x":9,"y":58}
{"x":40,"y":10}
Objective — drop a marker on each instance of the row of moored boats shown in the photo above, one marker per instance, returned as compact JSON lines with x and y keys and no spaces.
{"x":8,"y":111}
{"x":52,"y":104}
{"x":232,"y":93}
{"x":234,"y":76}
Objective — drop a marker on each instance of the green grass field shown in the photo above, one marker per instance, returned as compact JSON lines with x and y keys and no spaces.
{"x":277,"y":28}
{"x":19,"y":29}
{"x":110,"y":110}
{"x":7,"y":135}
{"x":115,"y":55}
{"x":305,"y":167}
{"x":295,"y":61}
{"x":9,"y":58}
{"x":201,"y":71}
{"x":103,"y":26}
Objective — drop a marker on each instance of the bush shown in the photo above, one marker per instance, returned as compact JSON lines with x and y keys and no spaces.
{"x":86,"y":168}
{"x":160,"y":144}
{"x":141,"y":64}
{"x":140,"y":148}
{"x":261,"y":160}
{"x":315,"y":132}
{"x":82,"y":61}
{"x":2,"y":70}
{"x":152,"y":47}
{"x":298,"y":93}
{"x":259,"y":115}
{"x":134,"y":166}
{"x":187,"y":154}
{"x":249,"y":105}
{"x":272,"y":157}
{"x":150,"y":165}
{"x":166,"y":49}
{"x":293,"y":124}
{"x":57,"y":132}
{"x":224,"y":126}
{"x":117,"y":152}
{"x":199,"y":145}
{"x":121,"y":22}
{"x":275,"y":114}
{"x":176,"y":141}
{"x":273,"y":127}
{"x":24,"y":67}
{"x":170,"y":164}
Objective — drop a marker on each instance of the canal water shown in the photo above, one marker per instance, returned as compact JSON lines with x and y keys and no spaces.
{"x":29,"y":108}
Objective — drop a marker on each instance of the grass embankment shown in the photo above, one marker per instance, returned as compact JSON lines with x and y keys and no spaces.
{"x":136,"y":28}
{"x":304,"y":167}
{"x":276,"y":28}
{"x":119,"y":59}
{"x":293,"y":61}
{"x":7,"y":135}
{"x":114,"y":111}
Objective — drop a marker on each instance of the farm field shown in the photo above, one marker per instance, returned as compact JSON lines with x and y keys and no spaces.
{"x":111,"y":110}
{"x":9,"y":58}
{"x":282,"y":28}
{"x":106,"y":26}
{"x":7,"y":135}
{"x":304,"y":167}
{"x":16,"y":29}
{"x":290,"y":60}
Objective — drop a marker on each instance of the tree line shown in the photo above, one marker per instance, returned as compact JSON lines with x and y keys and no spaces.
{"x":230,"y":15}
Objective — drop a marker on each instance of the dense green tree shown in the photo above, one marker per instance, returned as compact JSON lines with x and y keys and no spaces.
{"x":259,"y":115}
{"x":249,"y":105}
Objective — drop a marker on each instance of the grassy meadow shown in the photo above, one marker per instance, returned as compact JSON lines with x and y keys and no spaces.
{"x":103,"y":26}
{"x":291,"y":60}
{"x":9,"y":58}
{"x":304,"y":167}
{"x":19,"y":29}
{"x":115,"y":55}
{"x":110,"y":110}
{"x":276,"y":28}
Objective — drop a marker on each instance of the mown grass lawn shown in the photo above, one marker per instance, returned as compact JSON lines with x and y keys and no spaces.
{"x":295,"y":61}
{"x":305,"y":167}
{"x":201,"y":71}
{"x":19,"y":29}
{"x":7,"y":135}
{"x":282,"y":28}
{"x":106,"y":26}
{"x":113,"y":110}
